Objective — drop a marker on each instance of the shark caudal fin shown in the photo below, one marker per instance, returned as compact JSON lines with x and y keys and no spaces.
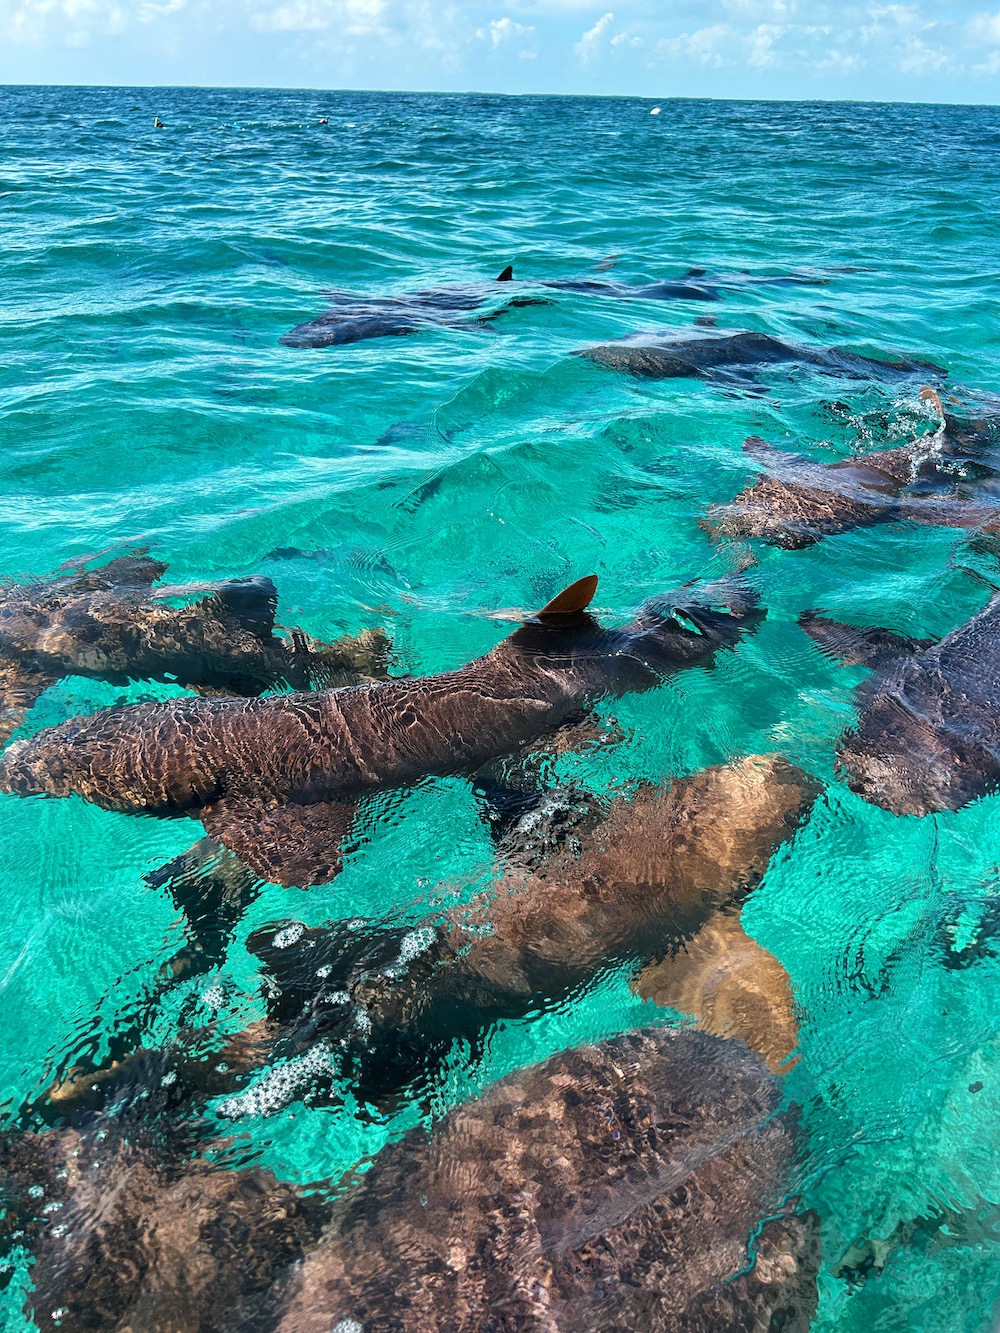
{"x":577,"y":597}
{"x":853,"y":645}
{"x":507,"y":275}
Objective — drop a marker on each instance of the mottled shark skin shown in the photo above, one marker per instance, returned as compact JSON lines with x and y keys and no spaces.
{"x":947,"y":478}
{"x":352,"y":318}
{"x":630,"y":886}
{"x":132,"y":1228}
{"x":735,"y":355}
{"x":613,"y":1187}
{"x":928,"y":731}
{"x":277,"y":779}
{"x":115,"y":624}
{"x":651,"y":882}
{"x":619,"y":1185}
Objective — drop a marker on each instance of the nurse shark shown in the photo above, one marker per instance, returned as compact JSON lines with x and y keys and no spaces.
{"x":946,"y":478}
{"x":278,"y":780}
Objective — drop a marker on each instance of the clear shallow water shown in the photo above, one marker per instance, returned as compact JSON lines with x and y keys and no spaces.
{"x":147,"y":277}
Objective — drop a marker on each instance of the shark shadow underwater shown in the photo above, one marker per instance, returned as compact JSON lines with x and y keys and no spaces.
{"x":277,"y":780}
{"x":949,"y":479}
{"x":113,"y":623}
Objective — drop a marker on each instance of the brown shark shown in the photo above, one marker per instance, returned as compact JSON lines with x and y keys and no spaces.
{"x":943,"y":478}
{"x":114,"y":623}
{"x":928,"y":730}
{"x":651,"y":882}
{"x":643,"y":1182}
{"x":631,"y":887}
{"x":277,"y":780}
{"x":614,"y":1186}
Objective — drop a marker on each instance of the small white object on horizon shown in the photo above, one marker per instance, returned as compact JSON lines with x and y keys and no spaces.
{"x":655,"y":111}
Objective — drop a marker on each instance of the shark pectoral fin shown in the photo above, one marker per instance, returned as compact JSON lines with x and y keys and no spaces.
{"x":853,"y":645}
{"x":292,"y":845}
{"x":776,"y":462}
{"x":577,"y":597}
{"x":19,"y":688}
{"x":507,"y":275}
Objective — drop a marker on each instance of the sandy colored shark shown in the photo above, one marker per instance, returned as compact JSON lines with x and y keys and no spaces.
{"x":117,"y":623}
{"x":642,"y":1182}
{"x":277,"y":780}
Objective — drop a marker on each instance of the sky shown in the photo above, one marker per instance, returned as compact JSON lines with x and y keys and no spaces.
{"x":946,"y":51}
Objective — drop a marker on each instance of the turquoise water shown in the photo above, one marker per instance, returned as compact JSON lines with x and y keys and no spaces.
{"x":414,"y":483}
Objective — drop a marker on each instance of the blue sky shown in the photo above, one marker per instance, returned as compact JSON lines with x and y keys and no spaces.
{"x":657,"y":48}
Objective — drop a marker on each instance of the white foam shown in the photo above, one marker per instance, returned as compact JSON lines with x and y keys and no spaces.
{"x":279,"y":1086}
{"x":290,"y":935}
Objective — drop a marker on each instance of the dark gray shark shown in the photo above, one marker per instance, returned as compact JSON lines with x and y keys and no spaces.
{"x":278,"y":779}
{"x":948,"y":478}
{"x":115,"y":624}
{"x":928,"y":732}
{"x":353,"y":319}
{"x":738,"y":356}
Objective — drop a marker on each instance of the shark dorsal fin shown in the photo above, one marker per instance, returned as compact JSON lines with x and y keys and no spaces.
{"x":507,"y":275}
{"x":577,"y":597}
{"x":932,"y":397}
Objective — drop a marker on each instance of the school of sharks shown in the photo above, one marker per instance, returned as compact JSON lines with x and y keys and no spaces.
{"x":647,"y":1181}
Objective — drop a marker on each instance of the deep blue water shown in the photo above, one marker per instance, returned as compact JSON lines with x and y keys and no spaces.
{"x":412,"y":483}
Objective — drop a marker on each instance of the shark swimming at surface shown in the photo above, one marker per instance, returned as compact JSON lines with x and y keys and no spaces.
{"x":928,"y":730}
{"x":948,"y":478}
{"x":735,"y":357}
{"x":278,"y":780}
{"x":115,"y":624}
{"x":643,"y":1181}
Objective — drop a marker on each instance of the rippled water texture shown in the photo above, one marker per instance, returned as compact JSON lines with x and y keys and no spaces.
{"x":415,"y":483}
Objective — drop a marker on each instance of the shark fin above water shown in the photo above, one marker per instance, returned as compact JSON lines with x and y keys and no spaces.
{"x":289,"y":844}
{"x":854,"y":645}
{"x":507,"y":275}
{"x":577,"y":597}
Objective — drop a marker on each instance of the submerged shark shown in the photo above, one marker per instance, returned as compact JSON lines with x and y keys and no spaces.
{"x":642,"y":1182}
{"x":353,"y":319}
{"x":737,"y":356}
{"x":277,"y":780}
{"x":115,"y":624}
{"x":583,"y":892}
{"x":651,"y":882}
{"x":948,"y":478}
{"x":928,"y":731}
{"x":615,"y":1186}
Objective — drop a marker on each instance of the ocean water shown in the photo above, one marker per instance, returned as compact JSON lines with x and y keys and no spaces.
{"x":416,"y":483}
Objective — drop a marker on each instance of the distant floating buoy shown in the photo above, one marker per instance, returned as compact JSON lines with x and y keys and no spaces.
{"x":158,"y":123}
{"x":655,"y":111}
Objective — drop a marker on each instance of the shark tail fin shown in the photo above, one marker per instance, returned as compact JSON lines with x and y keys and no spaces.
{"x":577,"y":597}
{"x":507,"y":275}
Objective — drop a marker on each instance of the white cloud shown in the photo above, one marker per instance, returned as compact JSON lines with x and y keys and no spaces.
{"x":503,"y":30}
{"x":985,"y":28}
{"x":702,"y":46}
{"x":588,"y":48}
{"x":762,"y":41}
